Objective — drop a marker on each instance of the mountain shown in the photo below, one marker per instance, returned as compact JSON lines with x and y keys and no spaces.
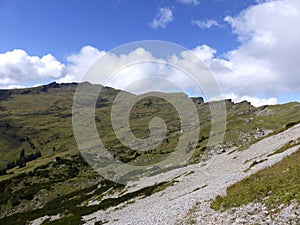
{"x":42,"y":167}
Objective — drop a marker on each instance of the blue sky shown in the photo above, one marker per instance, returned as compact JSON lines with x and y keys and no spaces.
{"x":233,"y":34}
{"x":63,"y":27}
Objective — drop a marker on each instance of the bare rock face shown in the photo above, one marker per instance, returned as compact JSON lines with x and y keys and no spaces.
{"x":62,"y":86}
{"x":198,"y":100}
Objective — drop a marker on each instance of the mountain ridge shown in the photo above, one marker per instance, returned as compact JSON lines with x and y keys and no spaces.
{"x":40,"y":119}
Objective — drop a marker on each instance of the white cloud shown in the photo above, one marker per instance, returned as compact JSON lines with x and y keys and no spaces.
{"x":135,"y":77}
{"x":204,"y":52}
{"x":195,"y":2}
{"x":12,"y":86}
{"x":79,"y":63}
{"x":205,"y":24}
{"x":157,"y":74}
{"x":255,"y":101}
{"x":161,"y":19}
{"x":267,"y":59}
{"x":266,"y":62}
{"x":18,"y":67}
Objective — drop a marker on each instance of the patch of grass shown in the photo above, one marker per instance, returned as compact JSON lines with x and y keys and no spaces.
{"x":45,"y":183}
{"x":70,"y":204}
{"x":287,"y":146}
{"x":199,"y":188}
{"x":273,"y":186}
{"x":162,"y":186}
{"x":191,"y":221}
{"x":190,"y":217}
{"x":231,"y":152}
{"x":68,"y":220}
{"x":189,"y":173}
{"x":254,"y":163}
{"x":67,"y":204}
{"x":291,"y":124}
{"x":100,"y":222}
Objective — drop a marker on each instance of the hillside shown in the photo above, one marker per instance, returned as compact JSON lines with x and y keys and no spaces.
{"x":36,"y":125}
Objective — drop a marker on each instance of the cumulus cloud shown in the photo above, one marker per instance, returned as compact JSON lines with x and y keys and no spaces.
{"x":139,"y":71}
{"x":268,"y":57}
{"x":205,"y":24}
{"x":18,"y":67}
{"x":255,"y":101}
{"x":204,"y":52}
{"x":194,"y":2}
{"x":79,"y":63}
{"x":164,"y":17}
{"x":12,"y":86}
{"x":266,"y":62}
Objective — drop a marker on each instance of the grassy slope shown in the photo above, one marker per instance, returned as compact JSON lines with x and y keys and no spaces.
{"x":36,"y":121}
{"x":274,"y":185}
{"x":69,"y":184}
{"x":33,"y":120}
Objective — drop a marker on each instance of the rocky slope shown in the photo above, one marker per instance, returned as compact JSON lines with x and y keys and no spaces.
{"x":198,"y":184}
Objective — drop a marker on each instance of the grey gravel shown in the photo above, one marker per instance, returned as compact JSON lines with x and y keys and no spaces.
{"x":176,"y":204}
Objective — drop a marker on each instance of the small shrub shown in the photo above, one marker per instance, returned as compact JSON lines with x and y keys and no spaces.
{"x":15,"y":201}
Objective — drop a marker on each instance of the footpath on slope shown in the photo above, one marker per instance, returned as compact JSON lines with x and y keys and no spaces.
{"x":196,"y":183}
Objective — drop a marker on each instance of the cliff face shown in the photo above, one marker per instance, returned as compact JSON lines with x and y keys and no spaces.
{"x":198,"y":100}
